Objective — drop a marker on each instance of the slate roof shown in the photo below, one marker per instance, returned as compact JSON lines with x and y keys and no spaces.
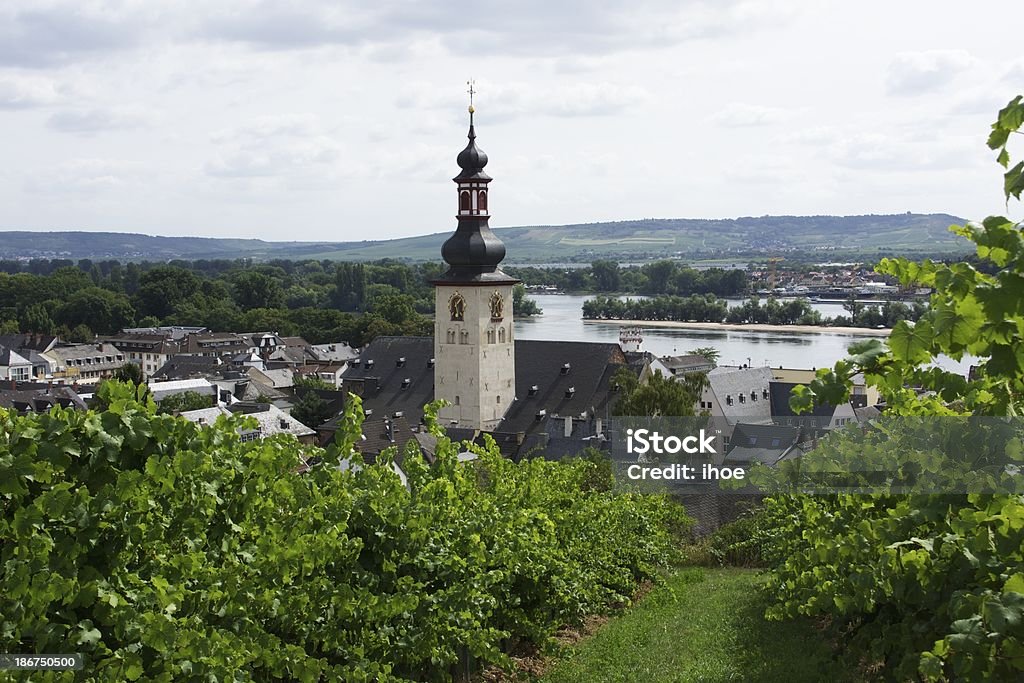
{"x":188,"y":367}
{"x":728,"y":382}
{"x":161,"y":390}
{"x":333,"y":352}
{"x":539,"y":364}
{"x":272,"y":420}
{"x":822,"y":413}
{"x":40,"y":400}
{"x":9,"y":357}
{"x":688,"y":363}
{"x":33,"y":342}
{"x":764,"y":436}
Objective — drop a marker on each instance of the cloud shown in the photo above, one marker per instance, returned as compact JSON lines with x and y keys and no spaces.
{"x":916,"y":73}
{"x":507,"y":101}
{"x":274,"y":147}
{"x":40,"y":34}
{"x":85,"y":176}
{"x":94,"y":120}
{"x":916,"y":152}
{"x":739,"y":114}
{"x":23,"y":92}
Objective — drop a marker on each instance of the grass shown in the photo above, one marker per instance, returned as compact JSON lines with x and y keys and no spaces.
{"x":704,"y":625}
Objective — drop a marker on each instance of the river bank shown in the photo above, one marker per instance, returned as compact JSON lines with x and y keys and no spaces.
{"x":751,"y":327}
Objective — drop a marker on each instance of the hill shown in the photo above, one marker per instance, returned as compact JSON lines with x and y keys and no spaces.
{"x":906,"y":234}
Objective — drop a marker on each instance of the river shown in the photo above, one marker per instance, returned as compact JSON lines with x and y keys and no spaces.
{"x":563,"y":320}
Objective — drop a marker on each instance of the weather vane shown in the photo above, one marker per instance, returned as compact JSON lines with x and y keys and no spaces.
{"x":471,"y":91}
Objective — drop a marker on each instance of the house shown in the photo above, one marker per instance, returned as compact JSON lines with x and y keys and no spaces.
{"x":14,"y":366}
{"x":85,"y":363}
{"x":39,"y":398}
{"x":32,"y":347}
{"x":201,"y":386}
{"x":149,"y":350}
{"x":737,"y":394}
{"x":765,"y":444}
{"x":674,"y":366}
{"x":803,"y":376}
{"x":339,"y":352}
{"x":182,"y":366}
{"x":821,"y":417}
{"x":270,"y":421}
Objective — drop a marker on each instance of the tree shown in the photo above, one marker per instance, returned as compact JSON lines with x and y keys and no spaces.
{"x":606,"y":275}
{"x":37,"y":319}
{"x":184,"y":401}
{"x":657,"y":395}
{"x":99,"y":309}
{"x":130,"y":373}
{"x":311,"y":410}
{"x":522,"y":305}
{"x":162,"y":288}
{"x":709,"y":352}
{"x":257,"y":290}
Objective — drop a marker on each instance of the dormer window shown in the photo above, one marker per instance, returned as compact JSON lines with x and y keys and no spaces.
{"x":405,"y":383}
{"x":533,"y":391}
{"x":728,"y":400}
{"x":566,"y":368}
{"x":569,"y":392}
{"x":400,"y":363}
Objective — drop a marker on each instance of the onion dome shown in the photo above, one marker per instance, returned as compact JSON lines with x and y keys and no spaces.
{"x":472,"y":159}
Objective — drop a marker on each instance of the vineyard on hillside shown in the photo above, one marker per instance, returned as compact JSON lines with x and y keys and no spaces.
{"x":930,"y":584}
{"x":163,"y":550}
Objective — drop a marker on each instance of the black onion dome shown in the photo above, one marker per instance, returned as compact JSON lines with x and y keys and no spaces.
{"x":473,"y":245}
{"x":472,"y":160}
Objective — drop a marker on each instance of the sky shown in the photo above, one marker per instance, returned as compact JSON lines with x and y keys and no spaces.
{"x":340,"y":120}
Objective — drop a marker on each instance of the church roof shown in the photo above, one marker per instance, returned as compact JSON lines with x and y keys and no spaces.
{"x":386,"y":362}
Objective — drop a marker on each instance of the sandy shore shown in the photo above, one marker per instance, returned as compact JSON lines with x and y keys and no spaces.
{"x":754,"y":327}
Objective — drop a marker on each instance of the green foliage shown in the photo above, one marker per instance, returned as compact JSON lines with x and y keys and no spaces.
{"x":708,"y":352}
{"x":657,"y":395}
{"x":164,"y":550}
{"x":522,"y":305}
{"x":931,"y":585}
{"x":184,"y":401}
{"x":311,"y":410}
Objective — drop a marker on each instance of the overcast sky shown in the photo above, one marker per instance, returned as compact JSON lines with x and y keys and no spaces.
{"x":335,"y":120}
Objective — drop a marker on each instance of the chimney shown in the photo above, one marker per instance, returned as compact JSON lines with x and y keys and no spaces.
{"x":568,"y":426}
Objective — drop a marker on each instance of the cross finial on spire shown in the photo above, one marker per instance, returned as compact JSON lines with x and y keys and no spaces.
{"x":472,"y":91}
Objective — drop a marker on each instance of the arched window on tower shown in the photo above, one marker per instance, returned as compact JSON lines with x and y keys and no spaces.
{"x":464,"y":201}
{"x":481,"y":202}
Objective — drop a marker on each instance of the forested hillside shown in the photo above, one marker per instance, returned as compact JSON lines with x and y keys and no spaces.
{"x":634,"y":239}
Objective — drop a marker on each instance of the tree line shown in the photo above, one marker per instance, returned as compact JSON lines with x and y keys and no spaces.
{"x":321,"y":301}
{"x":707,"y":308}
{"x":663,"y":277}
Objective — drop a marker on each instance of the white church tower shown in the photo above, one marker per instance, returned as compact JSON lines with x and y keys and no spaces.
{"x":474,"y":345}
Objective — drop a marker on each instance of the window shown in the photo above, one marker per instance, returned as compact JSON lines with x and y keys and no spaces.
{"x":456,"y":400}
{"x":464,"y":201}
{"x":481,"y":201}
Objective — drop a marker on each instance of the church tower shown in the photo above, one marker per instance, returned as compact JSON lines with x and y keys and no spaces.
{"x":474,"y":346}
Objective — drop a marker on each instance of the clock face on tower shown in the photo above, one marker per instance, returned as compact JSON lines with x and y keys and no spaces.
{"x":457,"y":306}
{"x":497,"y":304}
